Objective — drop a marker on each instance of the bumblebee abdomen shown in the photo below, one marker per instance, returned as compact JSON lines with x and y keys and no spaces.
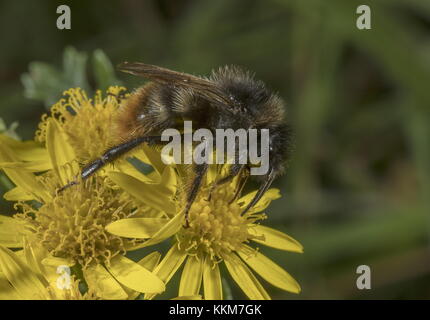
{"x":147,"y":111}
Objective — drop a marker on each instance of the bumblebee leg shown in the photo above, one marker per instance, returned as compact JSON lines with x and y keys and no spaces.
{"x":235,"y":169}
{"x":241,"y":183}
{"x":200,"y":171}
{"x":111,"y":155}
{"x":213,"y":185}
{"x":260,"y":192}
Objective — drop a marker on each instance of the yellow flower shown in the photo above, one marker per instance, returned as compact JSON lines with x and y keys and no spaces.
{"x":217,"y":233}
{"x":71,"y":225}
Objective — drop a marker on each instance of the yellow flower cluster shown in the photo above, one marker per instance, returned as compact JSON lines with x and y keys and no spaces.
{"x":90,"y":228}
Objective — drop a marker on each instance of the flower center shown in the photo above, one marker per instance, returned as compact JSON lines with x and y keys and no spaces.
{"x":88,"y":124}
{"x":72,"y":226}
{"x":216,"y":225}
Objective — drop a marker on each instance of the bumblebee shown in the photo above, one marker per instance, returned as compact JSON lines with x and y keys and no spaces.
{"x":230,"y":98}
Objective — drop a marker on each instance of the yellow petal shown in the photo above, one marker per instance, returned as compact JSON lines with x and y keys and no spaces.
{"x":7,"y":292}
{"x":33,"y":255}
{"x":170,"y":263}
{"x":22,"y":178}
{"x":166,"y":231}
{"x":128,"y":169}
{"x":191,"y":278}
{"x":55,"y":261}
{"x":60,"y":151}
{"x":263,"y":203}
{"x":154,"y":176}
{"x":22,"y":278}
{"x":18,"y":194}
{"x":211,"y":281}
{"x":141,"y":228}
{"x":10,"y":232}
{"x":20,"y":254}
{"x":153,"y":195}
{"x":32,"y":166}
{"x":275,"y":239}
{"x":244,"y":278}
{"x":152,"y":157}
{"x":150,"y":261}
{"x":169,"y":180}
{"x":103,"y":284}
{"x":134,"y":276}
{"x":168,"y":266}
{"x":26,"y":150}
{"x":166,"y":184}
{"x":269,"y":270}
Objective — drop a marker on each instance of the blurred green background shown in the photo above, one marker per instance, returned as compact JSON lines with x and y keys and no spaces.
{"x":357,"y":190}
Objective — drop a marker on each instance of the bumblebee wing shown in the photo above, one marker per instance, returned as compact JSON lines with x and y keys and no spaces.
{"x":205,"y":88}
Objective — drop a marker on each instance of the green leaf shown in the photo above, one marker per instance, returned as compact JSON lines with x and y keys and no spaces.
{"x":104,"y":71}
{"x":74,"y":65}
{"x":42,"y":83}
{"x":46,"y":83}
